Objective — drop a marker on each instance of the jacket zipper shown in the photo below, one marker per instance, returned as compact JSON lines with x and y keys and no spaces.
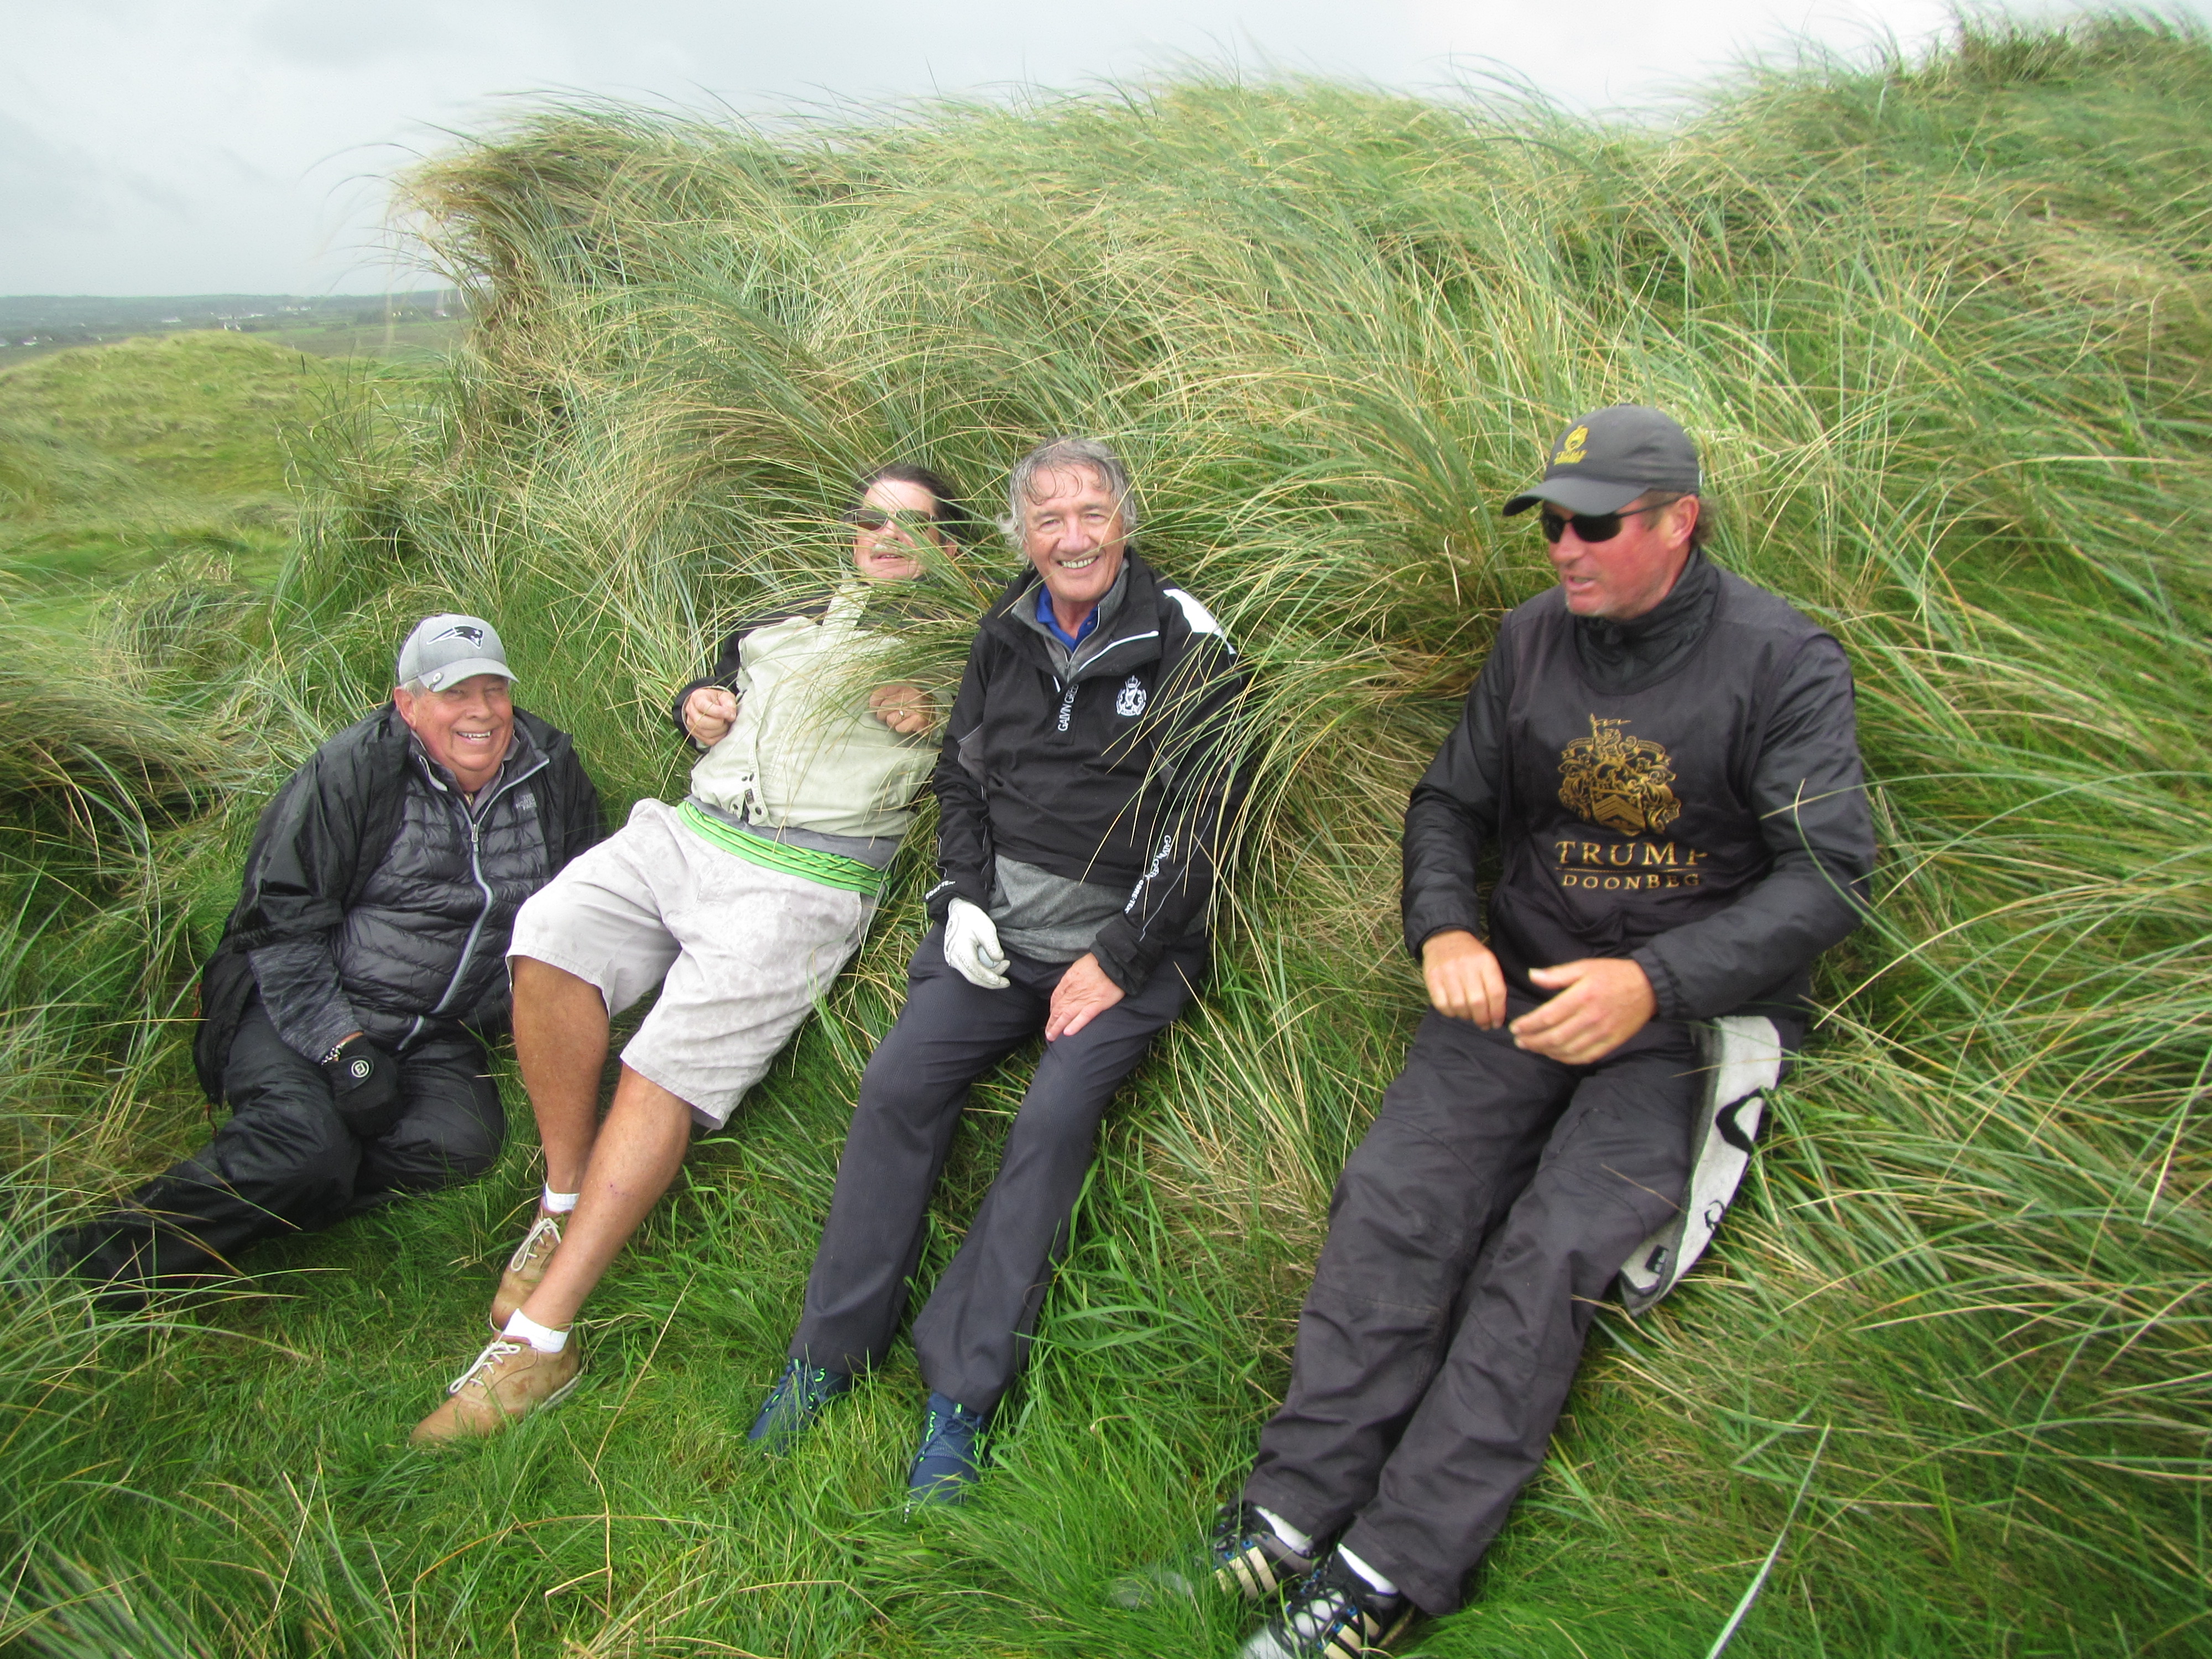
{"x":475,"y":821}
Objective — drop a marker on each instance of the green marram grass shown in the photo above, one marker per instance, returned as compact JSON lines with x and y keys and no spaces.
{"x":1944,"y":329}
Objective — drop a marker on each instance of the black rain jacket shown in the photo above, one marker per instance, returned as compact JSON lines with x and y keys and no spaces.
{"x":327,"y":833}
{"x":1690,"y":799}
{"x":1126,"y":774}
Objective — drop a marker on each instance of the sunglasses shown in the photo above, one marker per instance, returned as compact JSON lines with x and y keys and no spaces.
{"x":875,"y":518}
{"x":1592,"y":527}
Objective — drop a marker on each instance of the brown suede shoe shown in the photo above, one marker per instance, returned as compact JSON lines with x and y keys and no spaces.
{"x":509,"y":1379}
{"x":524,"y":1268}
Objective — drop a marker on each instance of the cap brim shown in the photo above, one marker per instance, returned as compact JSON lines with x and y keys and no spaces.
{"x":1578,"y":495}
{"x":454,"y":673}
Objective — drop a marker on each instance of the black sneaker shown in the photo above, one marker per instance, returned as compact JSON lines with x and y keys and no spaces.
{"x":1334,"y":1614}
{"x":1250,"y":1558}
{"x":952,"y":1450}
{"x":793,"y":1403}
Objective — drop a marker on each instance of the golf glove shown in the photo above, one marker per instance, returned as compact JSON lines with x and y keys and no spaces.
{"x":364,"y":1086}
{"x":971,"y":946}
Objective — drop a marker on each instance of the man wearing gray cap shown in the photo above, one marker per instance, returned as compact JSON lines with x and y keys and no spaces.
{"x":1665,"y":759}
{"x":341,"y":1012}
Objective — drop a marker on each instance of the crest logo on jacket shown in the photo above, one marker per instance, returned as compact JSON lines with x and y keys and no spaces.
{"x":1619,"y":782}
{"x":1131,"y":702}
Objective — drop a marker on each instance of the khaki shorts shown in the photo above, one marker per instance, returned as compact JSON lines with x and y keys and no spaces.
{"x":741,"y":952}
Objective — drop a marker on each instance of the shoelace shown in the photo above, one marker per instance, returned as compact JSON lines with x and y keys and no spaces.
{"x":498,"y":1348}
{"x":546,"y":1224}
{"x":1327,"y":1614}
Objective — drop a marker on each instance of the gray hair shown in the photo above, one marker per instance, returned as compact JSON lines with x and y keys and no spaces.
{"x":414,"y":688}
{"x":1069,"y":454}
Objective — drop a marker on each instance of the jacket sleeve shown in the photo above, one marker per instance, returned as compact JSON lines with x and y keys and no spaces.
{"x":724,"y":673}
{"x":963,"y":823}
{"x":583,"y":815}
{"x":1809,"y":791}
{"x":1453,"y":810}
{"x":294,"y":899}
{"x":1203,"y":746}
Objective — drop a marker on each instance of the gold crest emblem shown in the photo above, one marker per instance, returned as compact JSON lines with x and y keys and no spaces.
{"x":1570,"y":447}
{"x":1619,"y":782}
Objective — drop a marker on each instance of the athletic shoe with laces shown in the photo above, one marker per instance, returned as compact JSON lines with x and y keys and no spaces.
{"x":1250,"y":1558}
{"x":524,"y":1268}
{"x":793,"y":1403}
{"x":1334,"y":1614}
{"x":509,"y":1381}
{"x":1245,"y":1557}
{"x":951,"y":1447}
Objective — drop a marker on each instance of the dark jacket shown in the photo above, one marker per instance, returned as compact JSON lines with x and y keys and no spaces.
{"x":1123,"y":773}
{"x":340,"y":857}
{"x":1688,"y":796}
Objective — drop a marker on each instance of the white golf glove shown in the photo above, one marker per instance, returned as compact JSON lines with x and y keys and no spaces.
{"x":971,"y":946}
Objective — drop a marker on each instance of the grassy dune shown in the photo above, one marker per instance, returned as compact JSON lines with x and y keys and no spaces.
{"x":1944,"y":329}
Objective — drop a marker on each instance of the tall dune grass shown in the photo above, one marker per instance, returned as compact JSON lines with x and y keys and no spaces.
{"x":1943,"y":329}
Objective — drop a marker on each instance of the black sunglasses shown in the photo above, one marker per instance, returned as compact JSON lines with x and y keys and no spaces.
{"x":1593,"y":527}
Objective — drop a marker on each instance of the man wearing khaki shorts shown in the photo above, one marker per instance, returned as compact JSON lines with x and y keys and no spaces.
{"x":743,"y":903}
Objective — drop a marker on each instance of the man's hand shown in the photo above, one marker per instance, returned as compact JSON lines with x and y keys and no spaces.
{"x":1084,"y":993}
{"x":708,"y":714}
{"x":907,"y":709}
{"x":1465,"y":980}
{"x":1602,"y":1001}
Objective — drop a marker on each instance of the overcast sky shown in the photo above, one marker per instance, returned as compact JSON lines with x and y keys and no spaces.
{"x":211,"y":146}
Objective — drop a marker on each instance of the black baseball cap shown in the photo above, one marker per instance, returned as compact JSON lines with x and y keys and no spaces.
{"x":1609,"y":457}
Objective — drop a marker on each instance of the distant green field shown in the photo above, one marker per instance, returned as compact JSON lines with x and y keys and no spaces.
{"x":116,"y":459}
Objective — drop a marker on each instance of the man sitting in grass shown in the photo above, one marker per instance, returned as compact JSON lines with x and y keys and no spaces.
{"x":741,"y":904}
{"x":1085,"y":786}
{"x":341,"y":1015}
{"x":1665,"y":759}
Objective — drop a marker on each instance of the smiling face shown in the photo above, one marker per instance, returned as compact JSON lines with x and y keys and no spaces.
{"x":1072,"y":533}
{"x":1630,"y":573}
{"x":888,"y":552}
{"x":465,"y":728}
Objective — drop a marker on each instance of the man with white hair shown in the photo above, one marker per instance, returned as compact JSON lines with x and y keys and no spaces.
{"x":342,"y":1013}
{"x":1087,"y":784}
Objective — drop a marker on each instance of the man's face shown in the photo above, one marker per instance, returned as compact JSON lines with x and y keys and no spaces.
{"x":465,"y":728}
{"x":1072,"y":533}
{"x":1630,"y":573}
{"x":888,"y":552}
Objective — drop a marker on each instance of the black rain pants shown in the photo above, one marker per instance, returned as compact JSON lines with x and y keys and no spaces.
{"x":285,"y":1161}
{"x":1471,"y":1237}
{"x":973,"y":1333}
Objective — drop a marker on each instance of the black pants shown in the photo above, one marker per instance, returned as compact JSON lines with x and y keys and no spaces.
{"x":971,"y":1336}
{"x":286,"y":1162}
{"x":1471,"y":1238}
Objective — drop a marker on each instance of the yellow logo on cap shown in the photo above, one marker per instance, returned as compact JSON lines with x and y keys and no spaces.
{"x":1570,"y":449}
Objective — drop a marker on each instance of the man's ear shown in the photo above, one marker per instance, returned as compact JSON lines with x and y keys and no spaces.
{"x":1685,"y":511}
{"x":404,"y":700}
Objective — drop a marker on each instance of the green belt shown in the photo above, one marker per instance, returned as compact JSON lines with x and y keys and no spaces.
{"x":830,"y":869}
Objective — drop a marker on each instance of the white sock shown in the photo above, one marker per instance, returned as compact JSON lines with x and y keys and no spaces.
{"x":1365,"y":1572}
{"x":1300,"y":1541}
{"x":555,"y":1203}
{"x":537,"y":1336}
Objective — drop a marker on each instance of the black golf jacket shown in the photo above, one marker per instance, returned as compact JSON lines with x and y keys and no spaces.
{"x":1125,"y":772}
{"x":1690,"y":799}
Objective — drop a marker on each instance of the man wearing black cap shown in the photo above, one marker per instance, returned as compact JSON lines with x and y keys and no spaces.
{"x":342,"y":1010}
{"x":1665,"y":758}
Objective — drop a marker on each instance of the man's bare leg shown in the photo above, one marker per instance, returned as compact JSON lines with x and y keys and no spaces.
{"x":638,"y":1151}
{"x":561,"y":1042}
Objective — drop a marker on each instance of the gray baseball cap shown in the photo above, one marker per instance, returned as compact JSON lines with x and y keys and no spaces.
{"x":1609,"y":457}
{"x":448,"y":648}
